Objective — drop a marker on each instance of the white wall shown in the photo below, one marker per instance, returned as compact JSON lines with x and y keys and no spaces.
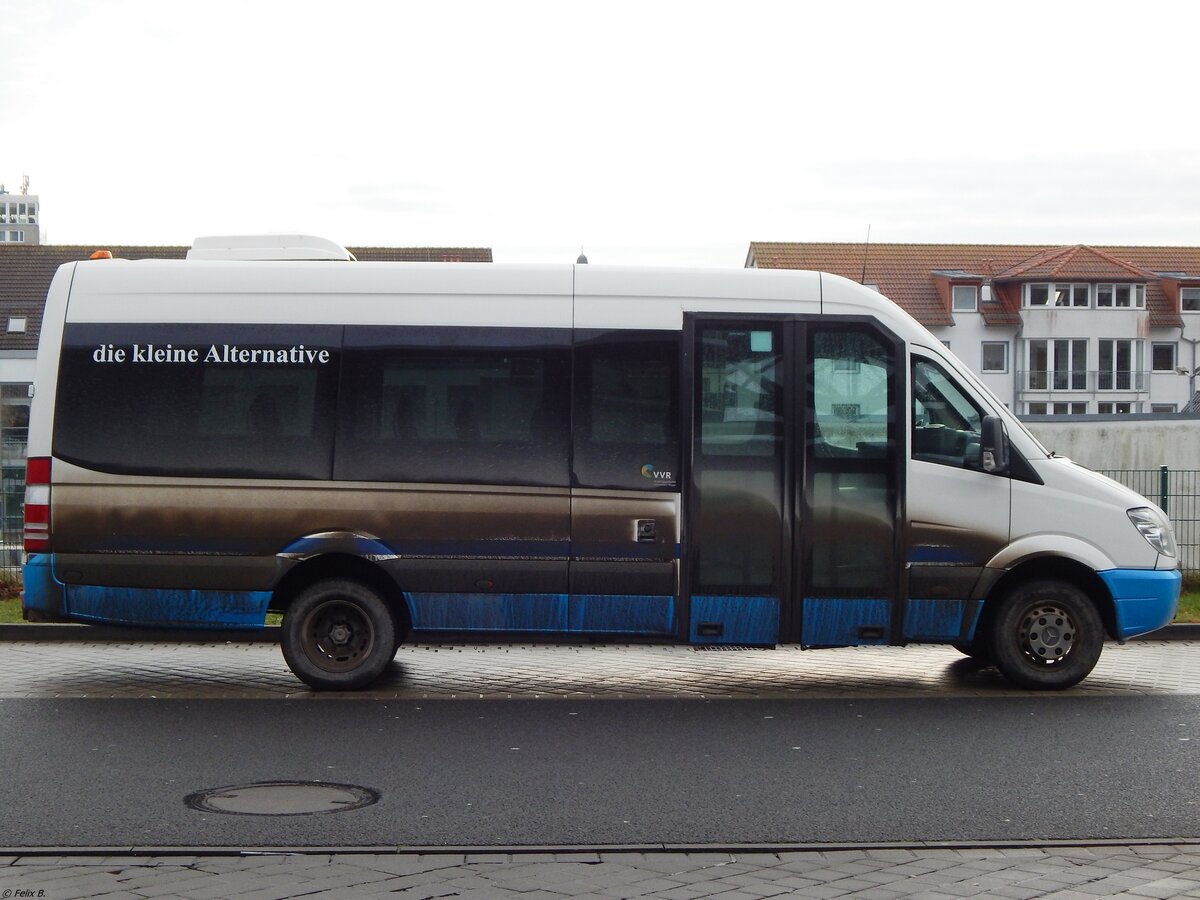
{"x":18,"y":370}
{"x":1130,"y":442}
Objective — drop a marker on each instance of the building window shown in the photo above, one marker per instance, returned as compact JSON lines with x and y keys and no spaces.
{"x":965,"y":297}
{"x":995,"y":356}
{"x":16,"y":324}
{"x":1122,"y":409}
{"x":1057,"y":295}
{"x":1162,"y":357}
{"x":1162,"y":407}
{"x":1056,"y":409}
{"x":1120,"y":365}
{"x":1056,"y":365}
{"x":14,"y":432}
{"x":1120,"y":296}
{"x":1190,"y":297}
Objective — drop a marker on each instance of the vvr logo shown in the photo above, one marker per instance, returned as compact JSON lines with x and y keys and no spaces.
{"x":648,"y":471}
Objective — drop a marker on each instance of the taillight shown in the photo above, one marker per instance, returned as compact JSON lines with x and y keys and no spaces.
{"x":37,"y":504}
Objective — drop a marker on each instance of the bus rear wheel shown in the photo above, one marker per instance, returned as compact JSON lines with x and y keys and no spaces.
{"x":1046,"y":635}
{"x":338,"y":635}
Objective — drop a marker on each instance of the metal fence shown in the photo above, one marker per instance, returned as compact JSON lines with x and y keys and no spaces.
{"x":1177,"y":491}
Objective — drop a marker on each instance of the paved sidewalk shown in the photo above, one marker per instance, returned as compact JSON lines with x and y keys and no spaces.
{"x":1061,"y":873}
{"x":32,"y":669}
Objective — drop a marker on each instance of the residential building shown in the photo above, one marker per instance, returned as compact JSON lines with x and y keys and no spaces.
{"x":1051,"y":330}
{"x":19,"y":215}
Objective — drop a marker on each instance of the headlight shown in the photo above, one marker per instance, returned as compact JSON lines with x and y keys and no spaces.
{"x":1154,"y":528}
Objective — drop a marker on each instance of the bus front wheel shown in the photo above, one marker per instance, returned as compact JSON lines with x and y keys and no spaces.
{"x":338,"y":635}
{"x":1046,"y":635}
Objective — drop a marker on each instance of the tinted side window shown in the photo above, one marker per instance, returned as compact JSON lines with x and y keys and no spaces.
{"x":455,"y":405}
{"x":740,"y":394}
{"x":626,"y":409}
{"x":852,"y":412}
{"x":946,"y":422}
{"x":198,"y":400}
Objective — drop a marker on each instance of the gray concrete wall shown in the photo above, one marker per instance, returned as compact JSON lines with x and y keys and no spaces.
{"x":1122,"y":442}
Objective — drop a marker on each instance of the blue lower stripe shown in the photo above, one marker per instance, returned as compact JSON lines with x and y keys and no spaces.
{"x":934,"y":619}
{"x":163,"y":607}
{"x":835,"y":622}
{"x":543,"y":613}
{"x":734,"y":620}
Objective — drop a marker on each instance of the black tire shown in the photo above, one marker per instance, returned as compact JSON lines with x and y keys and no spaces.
{"x":1046,"y":635}
{"x":338,"y":635}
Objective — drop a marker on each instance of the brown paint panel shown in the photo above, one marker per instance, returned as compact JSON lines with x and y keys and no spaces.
{"x":607,"y":558}
{"x":609,"y":519}
{"x":198,"y":523}
{"x":262,"y":520}
{"x":137,"y":570}
{"x":479,"y":576}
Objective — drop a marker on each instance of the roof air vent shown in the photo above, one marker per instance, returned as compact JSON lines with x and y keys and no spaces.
{"x":267,"y":247}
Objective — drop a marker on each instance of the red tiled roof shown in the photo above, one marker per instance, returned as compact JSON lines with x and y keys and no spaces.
{"x":904,"y":272}
{"x":26,"y":270}
{"x":1078,"y":263}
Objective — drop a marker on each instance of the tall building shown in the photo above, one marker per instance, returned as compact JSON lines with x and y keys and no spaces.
{"x":1051,"y":330}
{"x":19,"y":215}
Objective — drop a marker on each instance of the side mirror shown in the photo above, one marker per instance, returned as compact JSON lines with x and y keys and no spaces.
{"x":993,"y":446}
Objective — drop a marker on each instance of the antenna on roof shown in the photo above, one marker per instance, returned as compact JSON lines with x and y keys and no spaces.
{"x":866,"y":246}
{"x":24,"y":184}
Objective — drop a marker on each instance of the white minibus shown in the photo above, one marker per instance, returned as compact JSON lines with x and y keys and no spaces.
{"x":390,"y":450}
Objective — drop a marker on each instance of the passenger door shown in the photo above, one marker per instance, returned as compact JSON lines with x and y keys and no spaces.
{"x":795,"y":484}
{"x":849,"y":520}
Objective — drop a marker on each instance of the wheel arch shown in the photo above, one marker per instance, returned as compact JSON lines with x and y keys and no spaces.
{"x":1060,"y":568}
{"x":342,"y":565}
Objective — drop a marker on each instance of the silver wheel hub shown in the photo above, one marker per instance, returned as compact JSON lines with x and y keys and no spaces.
{"x":1047,"y":633}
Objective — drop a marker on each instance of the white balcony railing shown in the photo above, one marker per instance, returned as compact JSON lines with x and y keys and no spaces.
{"x":1043,"y":380}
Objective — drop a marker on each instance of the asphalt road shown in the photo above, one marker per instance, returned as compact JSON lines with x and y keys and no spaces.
{"x":607,"y":772}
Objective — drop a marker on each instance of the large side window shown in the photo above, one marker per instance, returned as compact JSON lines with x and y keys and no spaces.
{"x":626,"y":409}
{"x":740,"y":372}
{"x":455,"y":405}
{"x":946,"y":422}
{"x":852,"y":395}
{"x":198,"y":400}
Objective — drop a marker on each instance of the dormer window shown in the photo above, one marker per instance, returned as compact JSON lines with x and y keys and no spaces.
{"x":1121,"y":296}
{"x":1190,"y":298}
{"x":965,"y":297}
{"x":1057,"y":295}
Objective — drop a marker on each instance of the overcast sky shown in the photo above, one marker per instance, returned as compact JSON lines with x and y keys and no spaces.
{"x":655,"y":133}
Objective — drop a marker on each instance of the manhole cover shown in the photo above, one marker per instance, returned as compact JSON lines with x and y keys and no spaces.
{"x":282,"y":798}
